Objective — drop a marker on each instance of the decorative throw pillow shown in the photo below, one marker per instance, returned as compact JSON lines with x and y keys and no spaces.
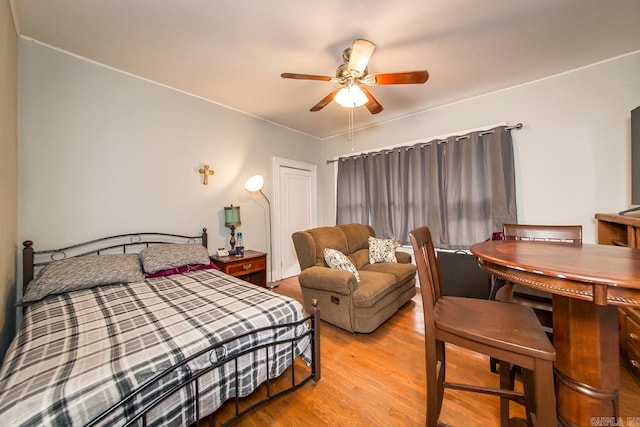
{"x":336,"y":259}
{"x":82,"y":273}
{"x":382,"y":250}
{"x":180,"y":270}
{"x":166,"y":256}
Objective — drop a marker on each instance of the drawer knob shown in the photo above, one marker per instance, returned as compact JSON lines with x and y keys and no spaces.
{"x":246,"y":266}
{"x":633,"y":336}
{"x":635,"y":363}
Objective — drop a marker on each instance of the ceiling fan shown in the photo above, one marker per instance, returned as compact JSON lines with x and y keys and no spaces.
{"x":353,"y":78}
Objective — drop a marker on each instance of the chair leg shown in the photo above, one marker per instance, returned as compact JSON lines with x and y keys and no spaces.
{"x":433,"y":404}
{"x":505,"y":384}
{"x":528,"y":386}
{"x":545,"y":393}
{"x":435,"y":360}
{"x":496,"y":284}
{"x":493,"y":365}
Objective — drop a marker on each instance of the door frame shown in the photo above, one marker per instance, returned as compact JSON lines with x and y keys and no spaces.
{"x":279,"y":162}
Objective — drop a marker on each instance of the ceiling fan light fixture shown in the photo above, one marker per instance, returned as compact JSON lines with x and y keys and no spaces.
{"x":351,"y":97}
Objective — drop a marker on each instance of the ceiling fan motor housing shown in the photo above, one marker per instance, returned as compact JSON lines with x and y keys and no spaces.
{"x":343,"y":71}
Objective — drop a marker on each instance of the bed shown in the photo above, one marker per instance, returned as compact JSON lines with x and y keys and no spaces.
{"x":166,"y":345}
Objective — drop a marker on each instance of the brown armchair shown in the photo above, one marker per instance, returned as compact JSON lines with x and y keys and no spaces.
{"x":351,"y":305}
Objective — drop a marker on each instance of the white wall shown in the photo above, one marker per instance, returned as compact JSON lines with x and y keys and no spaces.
{"x":572,"y":156}
{"x":103,"y":152}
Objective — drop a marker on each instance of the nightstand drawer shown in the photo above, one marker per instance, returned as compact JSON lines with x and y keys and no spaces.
{"x":252,"y":267}
{"x":246,"y":266}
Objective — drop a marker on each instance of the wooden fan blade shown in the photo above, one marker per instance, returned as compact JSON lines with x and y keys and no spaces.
{"x":361,"y":52}
{"x":409,"y":77}
{"x":373,"y":105}
{"x":325,"y":101}
{"x":304,"y":77}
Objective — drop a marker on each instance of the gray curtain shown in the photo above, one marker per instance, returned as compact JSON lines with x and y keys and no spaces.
{"x":463,"y":188}
{"x":352,"y":193}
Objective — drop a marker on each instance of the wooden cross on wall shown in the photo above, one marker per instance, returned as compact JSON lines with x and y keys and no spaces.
{"x":206,"y":172}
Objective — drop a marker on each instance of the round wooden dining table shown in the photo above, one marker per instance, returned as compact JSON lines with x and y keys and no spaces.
{"x":588,"y":282}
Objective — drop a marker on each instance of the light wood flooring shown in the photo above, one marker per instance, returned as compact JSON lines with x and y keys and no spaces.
{"x":378,"y":379}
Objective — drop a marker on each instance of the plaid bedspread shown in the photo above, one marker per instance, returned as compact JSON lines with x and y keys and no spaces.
{"x":79,"y":353}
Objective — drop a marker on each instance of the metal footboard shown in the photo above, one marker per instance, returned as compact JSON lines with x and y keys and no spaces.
{"x":139,"y":415}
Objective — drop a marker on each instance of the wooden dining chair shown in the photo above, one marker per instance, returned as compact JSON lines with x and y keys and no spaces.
{"x":539,"y":301}
{"x":509,"y":332}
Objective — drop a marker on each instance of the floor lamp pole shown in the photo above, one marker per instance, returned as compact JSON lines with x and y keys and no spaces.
{"x":272,"y":283}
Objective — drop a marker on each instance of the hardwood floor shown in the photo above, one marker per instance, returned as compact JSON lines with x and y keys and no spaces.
{"x":378,"y":379}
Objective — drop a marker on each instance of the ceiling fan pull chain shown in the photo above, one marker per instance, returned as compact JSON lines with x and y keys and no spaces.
{"x":350,"y":133}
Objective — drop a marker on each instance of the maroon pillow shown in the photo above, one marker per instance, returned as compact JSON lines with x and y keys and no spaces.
{"x":183,"y":269}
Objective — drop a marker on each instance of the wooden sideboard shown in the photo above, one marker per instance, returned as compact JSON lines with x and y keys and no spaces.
{"x":624,"y":230}
{"x":630,"y":340}
{"x":619,"y":230}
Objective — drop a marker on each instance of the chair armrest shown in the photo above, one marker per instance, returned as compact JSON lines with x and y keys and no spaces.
{"x":403,"y":257}
{"x":328,"y":279}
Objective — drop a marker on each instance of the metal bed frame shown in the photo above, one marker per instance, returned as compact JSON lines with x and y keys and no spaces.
{"x":134,"y":242}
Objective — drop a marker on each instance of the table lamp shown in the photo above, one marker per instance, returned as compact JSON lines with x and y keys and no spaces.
{"x":232,"y":220}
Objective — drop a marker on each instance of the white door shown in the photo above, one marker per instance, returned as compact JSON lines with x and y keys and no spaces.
{"x":295,"y":210}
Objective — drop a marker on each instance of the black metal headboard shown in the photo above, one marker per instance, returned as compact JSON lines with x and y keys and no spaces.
{"x":122,"y":243}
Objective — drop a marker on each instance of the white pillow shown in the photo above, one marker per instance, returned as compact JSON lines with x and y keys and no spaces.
{"x":381,"y":250}
{"x":336,"y":259}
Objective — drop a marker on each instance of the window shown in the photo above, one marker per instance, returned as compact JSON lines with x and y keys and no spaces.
{"x":462,"y":188}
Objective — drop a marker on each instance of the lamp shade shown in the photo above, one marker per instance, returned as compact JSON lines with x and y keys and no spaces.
{"x":351,"y":96}
{"x":231,"y":216}
{"x":254,"y":183}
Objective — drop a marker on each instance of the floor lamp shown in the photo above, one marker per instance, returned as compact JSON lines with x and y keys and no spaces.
{"x":254,"y":185}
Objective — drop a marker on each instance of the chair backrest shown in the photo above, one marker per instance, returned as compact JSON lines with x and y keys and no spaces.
{"x":428,"y":274}
{"x":569,"y":234}
{"x":347,"y":238}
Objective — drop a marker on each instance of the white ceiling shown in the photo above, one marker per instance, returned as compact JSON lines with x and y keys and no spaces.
{"x":233,"y":51}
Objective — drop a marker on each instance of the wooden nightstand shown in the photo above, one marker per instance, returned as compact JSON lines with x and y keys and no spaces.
{"x":251,"y":267}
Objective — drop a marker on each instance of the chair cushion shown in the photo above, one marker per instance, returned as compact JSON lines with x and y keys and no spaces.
{"x":512,"y":327}
{"x":372,"y":288}
{"x":327,"y":237}
{"x":402,"y":272}
{"x":360,"y":258}
{"x":356,"y":235}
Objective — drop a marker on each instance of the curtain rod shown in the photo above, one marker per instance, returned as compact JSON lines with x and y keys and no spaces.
{"x":458,"y":138}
